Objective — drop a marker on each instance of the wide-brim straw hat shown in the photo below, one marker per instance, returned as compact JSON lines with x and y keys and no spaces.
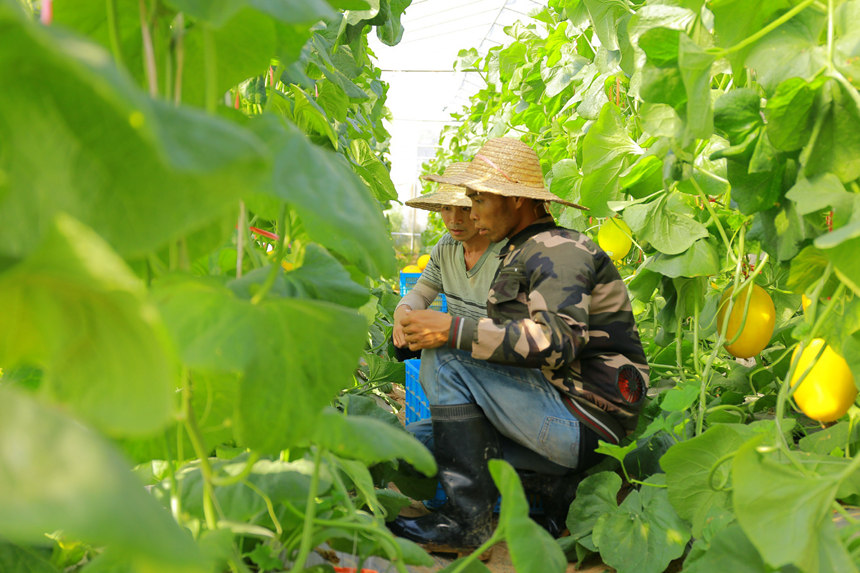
{"x":504,"y":166}
{"x":445,"y":194}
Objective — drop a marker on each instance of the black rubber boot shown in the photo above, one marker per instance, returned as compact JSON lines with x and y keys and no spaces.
{"x":556,"y":493}
{"x":465,"y":440}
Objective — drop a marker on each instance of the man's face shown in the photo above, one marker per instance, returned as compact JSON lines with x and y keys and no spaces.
{"x":458,"y":222}
{"x":493,"y":214}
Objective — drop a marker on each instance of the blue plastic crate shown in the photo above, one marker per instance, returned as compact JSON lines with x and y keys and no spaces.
{"x":408,"y":280}
{"x":417,"y":409}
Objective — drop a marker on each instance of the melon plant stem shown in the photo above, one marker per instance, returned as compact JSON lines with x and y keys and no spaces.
{"x":113,"y":32}
{"x":148,"y":52}
{"x":768,"y":29}
{"x":200,"y":450}
{"x":211,"y":68}
{"x":310,"y":513}
{"x":276,"y":264}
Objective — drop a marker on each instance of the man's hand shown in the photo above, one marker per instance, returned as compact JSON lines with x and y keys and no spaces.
{"x":397,"y":335}
{"x":426,"y":328}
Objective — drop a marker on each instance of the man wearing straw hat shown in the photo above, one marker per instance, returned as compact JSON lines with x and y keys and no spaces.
{"x":462,"y":265}
{"x":556,"y":366}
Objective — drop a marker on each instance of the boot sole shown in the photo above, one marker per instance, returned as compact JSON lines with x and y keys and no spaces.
{"x":458,"y":551}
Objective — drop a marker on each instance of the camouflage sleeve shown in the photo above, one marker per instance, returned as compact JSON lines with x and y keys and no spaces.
{"x":543,"y":296}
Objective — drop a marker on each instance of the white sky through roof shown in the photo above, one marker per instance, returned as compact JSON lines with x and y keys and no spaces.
{"x":424,"y":88}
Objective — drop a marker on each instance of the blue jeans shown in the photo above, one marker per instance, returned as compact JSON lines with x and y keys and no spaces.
{"x":538,"y":431}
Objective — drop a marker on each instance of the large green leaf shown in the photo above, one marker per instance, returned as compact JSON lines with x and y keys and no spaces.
{"x":75,"y":308}
{"x":88,"y":143}
{"x":242,"y":46}
{"x":336,"y":207}
{"x":665,"y":223}
{"x":697,"y":472}
{"x":390,"y":31}
{"x":695,"y":66}
{"x":595,"y":496}
{"x":700,"y":260}
{"x":790,"y":51}
{"x":789,"y":520}
{"x":730,"y":550}
{"x":604,"y":16}
{"x":736,"y":20}
{"x":280,"y":481}
{"x":290,"y":362}
{"x":532,"y":549}
{"x":644,"y":534}
{"x":607,"y":151}
{"x":789,"y":114}
{"x":59,"y":475}
{"x":737,"y":113}
{"x":17,"y":559}
{"x":811,"y":195}
{"x":217,"y":12}
{"x":835,"y":143}
{"x":372,"y":170}
{"x":370,"y":441}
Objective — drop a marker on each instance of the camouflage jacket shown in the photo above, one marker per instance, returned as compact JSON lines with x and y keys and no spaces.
{"x":558,"y":304}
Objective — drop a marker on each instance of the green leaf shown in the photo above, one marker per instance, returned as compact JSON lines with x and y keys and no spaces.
{"x":290,"y":367}
{"x":835,"y":143}
{"x":700,"y":260}
{"x":320,"y":277}
{"x":17,"y":559}
{"x":607,"y":151}
{"x":698,"y":472}
{"x":391,"y":31}
{"x":788,"y":521}
{"x":793,"y":50}
{"x":309,"y":115}
{"x":736,"y":20}
{"x":729,"y":550}
{"x":243,"y":44}
{"x":374,"y":173}
{"x":659,"y":120}
{"x":371,"y":441}
{"x":661,"y":46}
{"x":737,"y":113}
{"x":61,"y":475}
{"x":74,"y":307}
{"x":843,"y":255}
{"x":604,"y":16}
{"x":333,"y":100}
{"x":216,"y":12}
{"x":781,"y":230}
{"x":667,"y":225}
{"x":281,"y":482}
{"x":562,"y":74}
{"x":644,"y":534}
{"x":695,"y":67}
{"x":532,"y":549}
{"x":789,"y":114}
{"x":811,"y":195}
{"x":336,"y":207}
{"x":75,"y":129}
{"x":595,"y":496}
{"x":806,"y":269}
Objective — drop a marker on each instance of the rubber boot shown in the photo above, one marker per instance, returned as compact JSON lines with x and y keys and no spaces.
{"x":556,"y":493}
{"x":465,"y":440}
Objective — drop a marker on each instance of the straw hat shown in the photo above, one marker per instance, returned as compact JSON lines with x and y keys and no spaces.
{"x":446,"y":194}
{"x":504,"y":166}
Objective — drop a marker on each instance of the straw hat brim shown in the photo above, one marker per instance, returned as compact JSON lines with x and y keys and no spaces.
{"x":506,"y":189}
{"x":435,"y":201}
